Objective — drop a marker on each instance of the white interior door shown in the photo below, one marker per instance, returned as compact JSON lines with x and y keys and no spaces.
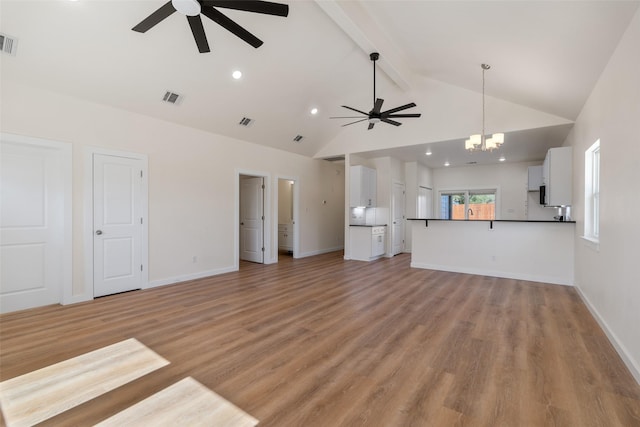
{"x":397,"y":214}
{"x":425,"y":202}
{"x":32,"y":225}
{"x":252,"y":219}
{"x":117,"y":224}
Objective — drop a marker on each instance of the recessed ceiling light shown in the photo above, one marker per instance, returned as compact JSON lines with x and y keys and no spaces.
{"x":428,"y":153}
{"x":502,"y":159}
{"x":236,"y":74}
{"x":447,"y":163}
{"x":314,"y":111}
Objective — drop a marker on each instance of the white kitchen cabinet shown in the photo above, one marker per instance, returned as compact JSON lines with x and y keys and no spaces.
{"x":367,"y":243}
{"x":557,"y":176}
{"x":285,"y":237}
{"x":535,"y":178}
{"x":363,"y":187}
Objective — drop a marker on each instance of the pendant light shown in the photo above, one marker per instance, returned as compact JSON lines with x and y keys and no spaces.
{"x":479,"y":142}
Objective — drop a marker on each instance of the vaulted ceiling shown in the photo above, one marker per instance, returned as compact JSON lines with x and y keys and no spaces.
{"x":546,"y":57}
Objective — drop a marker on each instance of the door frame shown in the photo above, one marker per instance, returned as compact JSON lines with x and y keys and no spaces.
{"x":66,"y":149}
{"x":403,"y":205}
{"x":268,"y":256}
{"x":87,"y":228}
{"x":296,"y":214}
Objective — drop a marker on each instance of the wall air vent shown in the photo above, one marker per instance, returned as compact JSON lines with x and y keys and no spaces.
{"x":298,"y":138}
{"x":246,"y":121}
{"x":172,"y":97}
{"x":335,"y":159}
{"x":8,"y":44}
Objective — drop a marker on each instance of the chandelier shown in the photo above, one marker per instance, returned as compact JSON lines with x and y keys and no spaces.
{"x":479,"y":142}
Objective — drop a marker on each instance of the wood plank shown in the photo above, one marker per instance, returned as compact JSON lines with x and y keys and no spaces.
{"x":185,"y":403}
{"x":42,"y":394}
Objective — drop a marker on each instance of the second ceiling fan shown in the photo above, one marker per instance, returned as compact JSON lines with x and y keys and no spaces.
{"x":376,"y":115}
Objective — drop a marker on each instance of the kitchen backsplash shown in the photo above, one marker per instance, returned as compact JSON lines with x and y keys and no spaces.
{"x":369,"y":216}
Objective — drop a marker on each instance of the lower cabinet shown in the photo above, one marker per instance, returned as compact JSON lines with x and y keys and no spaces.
{"x":367,"y":243}
{"x":285,"y":237}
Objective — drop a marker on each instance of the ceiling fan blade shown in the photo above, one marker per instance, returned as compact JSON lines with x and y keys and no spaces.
{"x":155,"y":18}
{"x":404,"y":107}
{"x":265,"y":7}
{"x":377,"y":106}
{"x":401,"y":115}
{"x":231,"y":26}
{"x":357,"y":111}
{"x":348,"y":117}
{"x":198,"y":33}
{"x":370,"y":126}
{"x":357,"y":121}
{"x":391,"y":122}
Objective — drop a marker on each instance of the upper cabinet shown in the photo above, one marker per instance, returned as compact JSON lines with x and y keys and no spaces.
{"x":556,"y":176}
{"x":363,"y":187}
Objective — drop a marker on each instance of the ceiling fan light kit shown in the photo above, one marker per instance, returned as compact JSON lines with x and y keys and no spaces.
{"x":479,"y":142}
{"x":187,"y":7}
{"x":192,"y":9}
{"x":375,"y":115}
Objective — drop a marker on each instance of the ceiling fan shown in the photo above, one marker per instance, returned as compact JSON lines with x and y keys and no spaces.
{"x":375,"y":115}
{"x":193,"y":8}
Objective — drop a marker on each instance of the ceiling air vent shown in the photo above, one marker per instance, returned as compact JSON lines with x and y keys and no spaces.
{"x":8,"y":44}
{"x":172,"y":97}
{"x":298,"y":138}
{"x":246,"y":121}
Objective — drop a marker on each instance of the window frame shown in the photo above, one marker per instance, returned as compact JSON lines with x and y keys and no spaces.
{"x":592,"y":161}
{"x":467,"y":193}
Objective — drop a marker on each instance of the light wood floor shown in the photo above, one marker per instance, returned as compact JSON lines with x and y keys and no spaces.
{"x":325,"y":342}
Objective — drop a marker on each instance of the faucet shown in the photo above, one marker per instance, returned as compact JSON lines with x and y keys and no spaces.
{"x":470,"y":212}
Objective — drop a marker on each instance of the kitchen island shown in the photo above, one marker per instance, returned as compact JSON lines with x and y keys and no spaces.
{"x":540,"y":251}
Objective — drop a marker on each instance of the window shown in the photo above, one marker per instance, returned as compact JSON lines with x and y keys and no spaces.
{"x":592,"y":192}
{"x":468,"y":204}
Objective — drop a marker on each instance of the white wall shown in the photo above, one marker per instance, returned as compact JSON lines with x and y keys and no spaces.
{"x":534,"y":251}
{"x":607,"y":276}
{"x":509,"y":178}
{"x":192,"y":178}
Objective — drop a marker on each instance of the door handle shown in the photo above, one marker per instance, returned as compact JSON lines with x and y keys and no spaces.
{"x":98,"y":232}
{"x":242,"y":223}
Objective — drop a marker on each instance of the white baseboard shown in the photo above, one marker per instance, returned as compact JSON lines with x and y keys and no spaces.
{"x":631,"y":364}
{"x":496,"y":273}
{"x":319,"y":252}
{"x":186,"y":277}
{"x":74,"y":299}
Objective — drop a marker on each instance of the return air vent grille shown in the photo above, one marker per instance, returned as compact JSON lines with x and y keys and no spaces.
{"x":172,"y":97}
{"x":298,"y":138}
{"x":8,"y":44}
{"x":335,"y":159}
{"x":246,"y":121}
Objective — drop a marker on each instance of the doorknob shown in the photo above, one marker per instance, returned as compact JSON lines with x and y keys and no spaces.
{"x":98,"y":232}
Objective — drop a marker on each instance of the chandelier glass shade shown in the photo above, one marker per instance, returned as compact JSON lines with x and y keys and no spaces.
{"x":480,"y":142}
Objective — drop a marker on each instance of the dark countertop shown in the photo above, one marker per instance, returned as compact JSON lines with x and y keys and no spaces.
{"x":367,"y":225}
{"x":489,"y":220}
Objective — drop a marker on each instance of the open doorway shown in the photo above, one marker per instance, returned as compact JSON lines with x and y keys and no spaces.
{"x":286,"y":217}
{"x":251,"y":220}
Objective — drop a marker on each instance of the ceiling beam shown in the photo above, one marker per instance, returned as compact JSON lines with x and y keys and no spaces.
{"x":355,"y":20}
